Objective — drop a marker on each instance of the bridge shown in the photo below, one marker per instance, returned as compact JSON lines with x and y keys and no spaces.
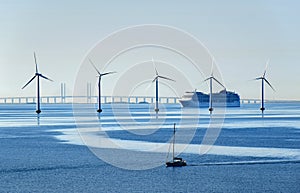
{"x":94,"y":99}
{"x":88,"y":99}
{"x":248,"y":101}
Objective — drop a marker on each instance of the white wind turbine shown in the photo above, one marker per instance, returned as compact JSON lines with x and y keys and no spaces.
{"x":211,"y":78}
{"x":263,"y":79}
{"x":38,"y":75}
{"x":99,"y":85}
{"x":157,"y":76}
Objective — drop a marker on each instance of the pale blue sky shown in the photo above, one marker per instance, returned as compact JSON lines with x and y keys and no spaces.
{"x":241,"y":35}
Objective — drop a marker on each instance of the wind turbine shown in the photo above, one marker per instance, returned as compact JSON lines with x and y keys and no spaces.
{"x":99,"y":85}
{"x":38,"y":75}
{"x":211,"y":78}
{"x":263,"y":79}
{"x":157,"y":76}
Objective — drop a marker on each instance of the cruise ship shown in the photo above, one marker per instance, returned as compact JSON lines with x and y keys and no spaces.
{"x":220,"y":99}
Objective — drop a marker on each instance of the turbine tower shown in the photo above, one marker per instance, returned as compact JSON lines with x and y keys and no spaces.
{"x":263,"y":79}
{"x":99,"y":85}
{"x":211,"y":78}
{"x":38,"y":75}
{"x":156,"y":86}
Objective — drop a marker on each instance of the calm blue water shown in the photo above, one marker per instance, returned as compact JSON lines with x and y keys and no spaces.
{"x":46,"y":154}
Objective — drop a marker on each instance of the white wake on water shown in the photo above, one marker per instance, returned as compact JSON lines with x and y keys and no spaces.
{"x":71,"y":136}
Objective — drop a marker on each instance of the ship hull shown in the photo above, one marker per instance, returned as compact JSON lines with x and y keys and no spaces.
{"x":175,"y":164}
{"x":195,"y":104}
{"x":201,"y":100}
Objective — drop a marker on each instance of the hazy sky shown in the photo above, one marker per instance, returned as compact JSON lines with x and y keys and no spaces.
{"x":241,"y":35}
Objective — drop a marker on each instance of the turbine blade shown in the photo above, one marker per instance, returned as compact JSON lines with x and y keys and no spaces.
{"x":36,"y":67}
{"x":95,"y":67}
{"x":218,"y":82}
{"x":107,"y":73}
{"x":212,"y":66}
{"x":264,"y":74}
{"x":267,"y":64}
{"x":29,"y":81}
{"x":150,"y":84}
{"x":45,"y":77}
{"x":269,"y":84}
{"x":155,"y":79}
{"x":259,"y":78}
{"x":154,"y":67}
{"x":163,"y":77}
{"x":207,"y":79}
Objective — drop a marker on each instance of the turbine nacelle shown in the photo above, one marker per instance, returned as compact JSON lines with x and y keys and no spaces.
{"x":264,"y":79}
{"x":162,"y":77}
{"x":157,"y":74}
{"x":36,"y":73}
{"x":213,"y":78}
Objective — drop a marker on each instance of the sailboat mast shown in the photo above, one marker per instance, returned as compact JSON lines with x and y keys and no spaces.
{"x":174,"y":142}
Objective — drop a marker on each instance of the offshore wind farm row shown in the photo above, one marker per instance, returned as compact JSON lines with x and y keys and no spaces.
{"x":191,"y":99}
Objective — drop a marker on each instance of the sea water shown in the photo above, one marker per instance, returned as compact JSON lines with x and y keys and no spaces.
{"x":71,"y":149}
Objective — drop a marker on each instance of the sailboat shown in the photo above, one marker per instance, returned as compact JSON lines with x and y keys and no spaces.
{"x":176,"y":161}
